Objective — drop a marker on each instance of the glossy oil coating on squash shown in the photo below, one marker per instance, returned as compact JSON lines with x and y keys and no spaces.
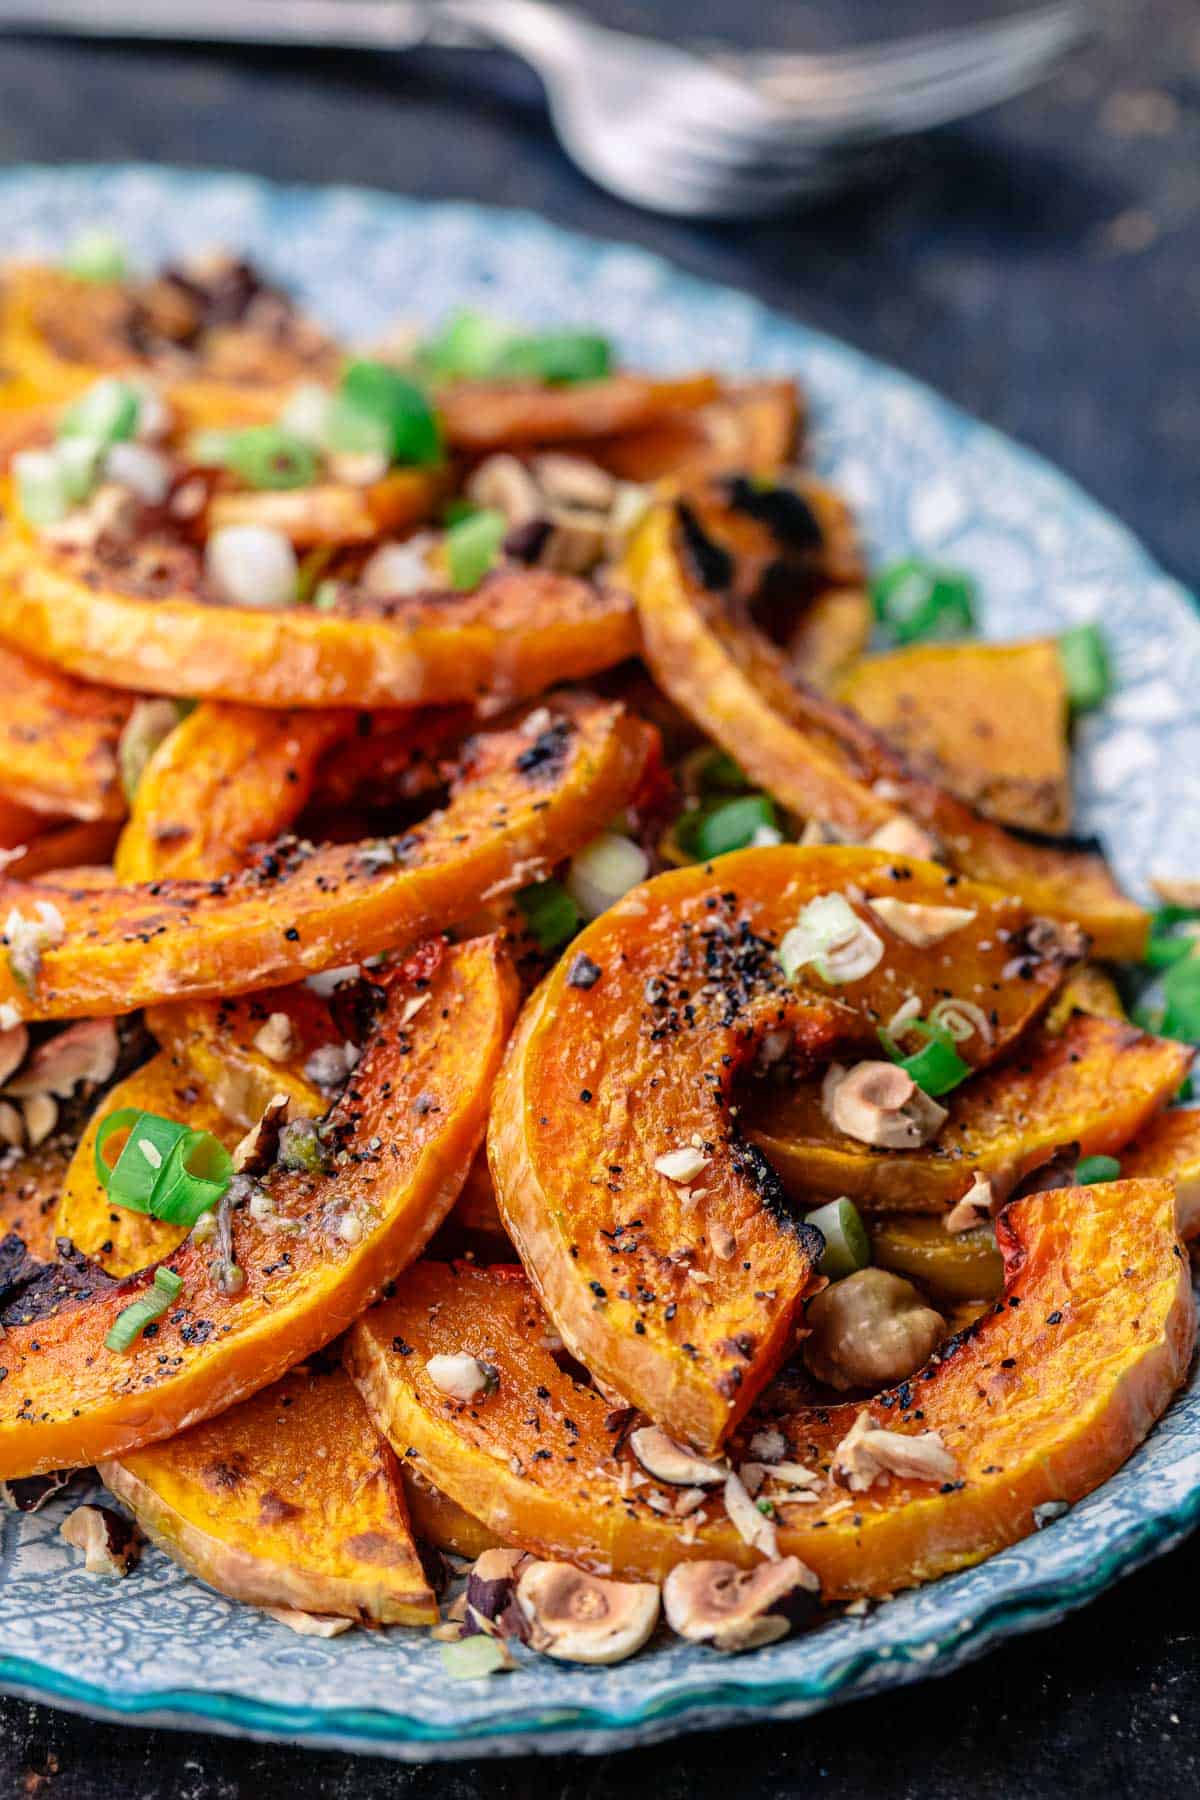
{"x":514,"y":635}
{"x":222,"y":1043}
{"x":525,"y":798}
{"x":1041,"y":1401}
{"x":290,"y":1499}
{"x":1096,"y":1085}
{"x":58,"y":740}
{"x":680,"y":1293}
{"x":697,"y":572}
{"x":401,"y":1140}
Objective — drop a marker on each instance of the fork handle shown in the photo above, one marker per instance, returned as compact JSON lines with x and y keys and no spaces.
{"x":331,"y":24}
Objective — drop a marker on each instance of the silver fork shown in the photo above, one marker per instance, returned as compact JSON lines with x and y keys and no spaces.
{"x":663,"y":125}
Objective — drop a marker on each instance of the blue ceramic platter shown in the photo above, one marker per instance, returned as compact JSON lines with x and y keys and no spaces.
{"x":160,"y":1648}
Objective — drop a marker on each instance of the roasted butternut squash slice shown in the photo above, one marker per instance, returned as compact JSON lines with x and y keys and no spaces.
{"x":749,"y":425}
{"x":987,"y":721}
{"x":406,"y":1130}
{"x":615,"y":1100}
{"x":58,"y":740}
{"x":951,"y":1266}
{"x":227,"y":778}
{"x":1096,"y":1084}
{"x":143,"y":618}
{"x":230,"y":778}
{"x":221,"y":326}
{"x":1169,"y":1149}
{"x":289,"y":1499}
{"x":1087,"y":989}
{"x":244,"y":1050}
{"x":697,"y":569}
{"x":80,"y":851}
{"x":118,"y":1240}
{"x":30,"y":1185}
{"x":439,"y":1521}
{"x":524,"y":799}
{"x":20,"y":824}
{"x":481,"y":416}
{"x":334,"y":513}
{"x":1040,"y":1401}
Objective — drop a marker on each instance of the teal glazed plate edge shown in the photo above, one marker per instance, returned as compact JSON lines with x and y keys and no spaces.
{"x":160,"y":1648}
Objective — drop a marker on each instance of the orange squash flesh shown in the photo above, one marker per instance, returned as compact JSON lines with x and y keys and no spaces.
{"x":289,"y":1499}
{"x":1169,"y":1149}
{"x":1096,"y":1085}
{"x":437,"y":1520}
{"x":217,"y":1041}
{"x":603,"y":1080}
{"x":121,"y":1241}
{"x":409,"y":1124}
{"x":233,"y":777}
{"x":514,"y":635}
{"x":522,"y":802}
{"x":74,"y":850}
{"x":227,"y":778}
{"x":818,"y":759}
{"x":334,"y":513}
{"x":29,"y":1189}
{"x":1040,"y":1401}
{"x":987,"y":721}
{"x":479,"y":417}
{"x":749,"y":425}
{"x":58,"y":740}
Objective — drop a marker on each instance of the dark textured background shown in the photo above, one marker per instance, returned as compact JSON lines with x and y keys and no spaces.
{"x":1042,"y":268}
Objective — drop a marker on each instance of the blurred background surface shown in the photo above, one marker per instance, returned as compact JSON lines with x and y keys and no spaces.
{"x":1041,"y":266}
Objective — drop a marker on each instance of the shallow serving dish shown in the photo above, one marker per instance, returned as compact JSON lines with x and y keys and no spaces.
{"x":162,"y":1649}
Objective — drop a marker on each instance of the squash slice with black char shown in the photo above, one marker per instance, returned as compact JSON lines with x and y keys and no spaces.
{"x":140,"y":612}
{"x":658,"y":1236}
{"x":290,"y":1499}
{"x":1033,"y":1406}
{"x":1096,"y":1085}
{"x":525,"y":797}
{"x":697,"y":567}
{"x":315,"y":1249}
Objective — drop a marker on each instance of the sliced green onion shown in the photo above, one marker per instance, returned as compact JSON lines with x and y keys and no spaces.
{"x":132,"y":1320}
{"x":1181,"y":991}
{"x":916,"y":599}
{"x":830,"y":935}
{"x":473,"y":347}
{"x":326,"y":595}
{"x":306,"y":414}
{"x":41,"y":486}
{"x":936,"y":1067}
{"x":208,"y":449}
{"x":550,"y":913}
{"x":374,"y":393}
{"x":1086,"y":668}
{"x":468,"y":346}
{"x":79,"y":460}
{"x":603,"y":871}
{"x":1092,"y":1169}
{"x":1167,"y":946}
{"x":731,"y":826}
{"x":847,"y":1246}
{"x":557,"y":357}
{"x":108,"y":411}
{"x":312,"y":568}
{"x":473,"y":545}
{"x":165,"y":1169}
{"x":266,"y":456}
{"x":96,"y":255}
{"x":719,"y":774}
